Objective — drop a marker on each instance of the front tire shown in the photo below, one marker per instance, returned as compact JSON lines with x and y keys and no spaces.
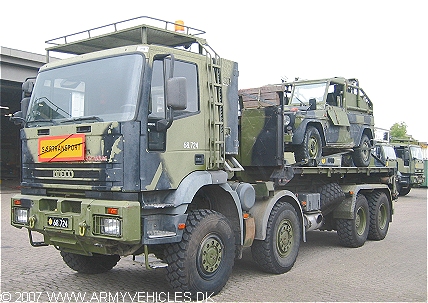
{"x":354,"y":232}
{"x":278,"y":252}
{"x":311,"y":148}
{"x":203,"y":260}
{"x":94,"y":264}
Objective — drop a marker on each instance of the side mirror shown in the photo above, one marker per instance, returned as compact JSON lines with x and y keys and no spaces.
{"x":176,"y":93}
{"x":18,"y":118}
{"x":312,"y":104}
{"x":27,"y":87}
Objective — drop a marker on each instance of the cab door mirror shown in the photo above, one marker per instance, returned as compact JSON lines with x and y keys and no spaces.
{"x":176,"y":91}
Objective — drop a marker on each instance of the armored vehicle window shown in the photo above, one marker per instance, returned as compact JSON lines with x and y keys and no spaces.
{"x":416,"y":152}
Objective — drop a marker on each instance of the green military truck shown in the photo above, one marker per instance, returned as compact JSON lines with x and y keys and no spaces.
{"x":139,"y":144}
{"x":410,"y":164}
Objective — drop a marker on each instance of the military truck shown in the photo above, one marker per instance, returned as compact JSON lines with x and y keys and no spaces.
{"x":410,"y":164}
{"x":323,"y":117}
{"x":137,"y":145}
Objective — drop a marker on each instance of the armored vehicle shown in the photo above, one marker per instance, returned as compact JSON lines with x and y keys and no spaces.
{"x":137,"y":145}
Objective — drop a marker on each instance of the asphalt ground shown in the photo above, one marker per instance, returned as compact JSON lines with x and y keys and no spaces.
{"x":391,"y":270}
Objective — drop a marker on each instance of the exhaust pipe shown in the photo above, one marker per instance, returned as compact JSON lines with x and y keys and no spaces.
{"x":313,"y":221}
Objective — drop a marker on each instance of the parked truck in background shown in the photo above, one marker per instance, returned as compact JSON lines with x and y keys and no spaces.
{"x":410,"y":164}
{"x":405,"y":154}
{"x":140,"y":144}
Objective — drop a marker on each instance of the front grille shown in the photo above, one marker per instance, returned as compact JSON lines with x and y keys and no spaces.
{"x":66,"y":175}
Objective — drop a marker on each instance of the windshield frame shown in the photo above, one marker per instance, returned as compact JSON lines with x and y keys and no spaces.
{"x":304,"y":92}
{"x":102,"y":89}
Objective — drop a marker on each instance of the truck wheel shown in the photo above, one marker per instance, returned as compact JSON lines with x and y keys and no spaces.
{"x":379,"y":216}
{"x":361,"y":154}
{"x":311,"y":147}
{"x":404,"y":190}
{"x":331,"y":194}
{"x":203,"y":260}
{"x":353,"y":232}
{"x":94,"y":264}
{"x":278,"y":252}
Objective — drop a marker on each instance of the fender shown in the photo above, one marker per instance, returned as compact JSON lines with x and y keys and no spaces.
{"x":183,"y":195}
{"x":262,"y":209}
{"x":299,"y":132}
{"x":345,"y":210}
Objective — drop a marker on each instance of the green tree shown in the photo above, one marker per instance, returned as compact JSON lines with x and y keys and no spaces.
{"x":399,"y":130}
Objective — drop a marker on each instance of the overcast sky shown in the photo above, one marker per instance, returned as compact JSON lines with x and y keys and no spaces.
{"x":382,"y":43}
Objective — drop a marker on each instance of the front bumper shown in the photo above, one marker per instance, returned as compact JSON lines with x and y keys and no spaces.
{"x":83,"y":226}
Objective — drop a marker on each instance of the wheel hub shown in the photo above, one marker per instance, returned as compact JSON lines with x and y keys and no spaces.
{"x":211,"y":254}
{"x":284,"y":239}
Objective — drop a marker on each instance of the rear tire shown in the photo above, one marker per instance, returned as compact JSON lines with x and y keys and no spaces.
{"x":278,"y":252}
{"x":361,"y":154}
{"x":380,"y":216}
{"x":94,"y":264}
{"x":354,"y":232}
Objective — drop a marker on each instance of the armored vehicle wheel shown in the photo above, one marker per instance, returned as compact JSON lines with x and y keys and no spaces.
{"x":278,"y":252}
{"x":94,"y":264}
{"x":311,"y":147}
{"x":361,"y":154}
{"x":379,"y":216}
{"x":331,"y":194}
{"x":353,"y":232}
{"x":203,"y":260}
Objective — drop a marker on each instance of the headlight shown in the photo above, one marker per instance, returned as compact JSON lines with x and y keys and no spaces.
{"x":287,"y":120}
{"x":110,"y":226}
{"x":20,"y":215}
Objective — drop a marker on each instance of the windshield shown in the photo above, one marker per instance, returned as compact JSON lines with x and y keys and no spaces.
{"x":416,"y":152}
{"x":101,"y":90}
{"x":302,"y":93}
{"x":389,"y":152}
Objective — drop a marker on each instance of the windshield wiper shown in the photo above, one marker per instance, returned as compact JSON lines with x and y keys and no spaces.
{"x":87,"y":118}
{"x":57,"y":109}
{"x":43,"y":121}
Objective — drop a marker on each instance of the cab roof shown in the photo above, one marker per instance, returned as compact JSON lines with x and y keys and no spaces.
{"x":110,"y":36}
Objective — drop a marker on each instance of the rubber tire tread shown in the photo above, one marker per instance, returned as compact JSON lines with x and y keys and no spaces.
{"x":331,"y":194}
{"x":375,"y":233}
{"x":357,"y":155}
{"x":263,"y":250}
{"x":94,"y":264}
{"x":180,"y":275}
{"x":301,"y":152}
{"x":346,"y":229}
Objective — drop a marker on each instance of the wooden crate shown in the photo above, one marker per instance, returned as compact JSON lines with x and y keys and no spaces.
{"x":265,"y":96}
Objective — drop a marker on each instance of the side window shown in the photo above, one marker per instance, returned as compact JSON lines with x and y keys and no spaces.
{"x":335,"y":95}
{"x":157,"y":106}
{"x":181,"y":69}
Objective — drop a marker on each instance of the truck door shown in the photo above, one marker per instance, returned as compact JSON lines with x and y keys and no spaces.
{"x":338,"y":132}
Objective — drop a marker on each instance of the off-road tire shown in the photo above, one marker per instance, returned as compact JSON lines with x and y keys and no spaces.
{"x":380,"y":216}
{"x":354,"y":232}
{"x":362,"y":153}
{"x":331,"y":194}
{"x":202,"y":262}
{"x":94,"y":264}
{"x":311,"y":148}
{"x":278,"y":252}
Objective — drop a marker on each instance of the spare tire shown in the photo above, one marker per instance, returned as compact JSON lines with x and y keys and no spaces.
{"x":331,"y":194}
